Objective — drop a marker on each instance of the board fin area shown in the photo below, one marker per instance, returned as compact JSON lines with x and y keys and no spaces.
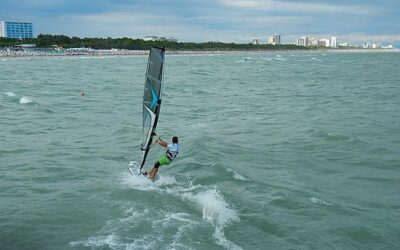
{"x":134,"y":168}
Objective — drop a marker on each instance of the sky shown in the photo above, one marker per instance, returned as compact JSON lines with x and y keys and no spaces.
{"x":239,"y":21}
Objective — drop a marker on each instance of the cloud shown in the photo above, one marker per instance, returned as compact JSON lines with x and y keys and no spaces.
{"x":377,"y":38}
{"x":305,"y":7}
{"x":119,"y":18}
{"x":227,"y":28}
{"x":193,"y":20}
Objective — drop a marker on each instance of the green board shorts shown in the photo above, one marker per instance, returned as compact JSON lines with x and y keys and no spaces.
{"x":164,"y":160}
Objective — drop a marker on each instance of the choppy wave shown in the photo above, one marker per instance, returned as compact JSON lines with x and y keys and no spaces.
{"x":10,"y":94}
{"x":210,"y":202}
{"x":15,"y":97}
{"x":113,"y":236}
{"x":99,"y":241}
{"x":144,"y":184}
{"x":320,"y":202}
{"x":217,"y":212}
{"x":268,"y":146}
{"x":237,"y":176}
{"x":213,"y":206}
{"x":25,"y":100}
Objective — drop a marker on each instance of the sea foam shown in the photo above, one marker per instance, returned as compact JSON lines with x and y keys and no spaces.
{"x":138,"y":182}
{"x":25,"y":100}
{"x":320,"y":202}
{"x":216,"y":211}
{"x":210,"y":202}
{"x":10,"y":94}
{"x":110,"y":241}
{"x":237,"y":176}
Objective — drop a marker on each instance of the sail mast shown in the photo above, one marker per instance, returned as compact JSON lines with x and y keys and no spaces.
{"x":151,"y":99}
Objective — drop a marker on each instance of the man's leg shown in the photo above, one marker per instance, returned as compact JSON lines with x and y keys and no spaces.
{"x":154,"y":170}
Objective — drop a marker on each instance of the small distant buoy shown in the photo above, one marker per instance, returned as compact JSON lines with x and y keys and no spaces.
{"x":82,"y":93}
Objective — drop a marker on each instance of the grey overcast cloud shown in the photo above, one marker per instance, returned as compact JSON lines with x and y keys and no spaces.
{"x":217,"y":20}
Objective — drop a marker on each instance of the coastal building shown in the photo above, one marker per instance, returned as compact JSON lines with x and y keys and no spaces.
{"x":321,"y":42}
{"x":2,"y":32}
{"x":333,"y":42}
{"x":16,"y":30}
{"x":275,"y":39}
{"x":313,"y":41}
{"x":324,"y":42}
{"x":369,"y":46}
{"x":150,"y":38}
{"x":302,"y":41}
{"x":157,"y":38}
{"x":256,"y":40}
{"x":387,"y":47}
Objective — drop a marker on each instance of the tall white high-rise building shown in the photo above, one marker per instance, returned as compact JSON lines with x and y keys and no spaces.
{"x":256,"y":40}
{"x":333,"y":42}
{"x":2,"y":29}
{"x":302,"y":41}
{"x":312,"y":41}
{"x":275,"y":39}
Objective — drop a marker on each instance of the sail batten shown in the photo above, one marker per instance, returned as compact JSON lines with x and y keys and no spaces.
{"x":154,"y":79}
{"x":151,"y":99}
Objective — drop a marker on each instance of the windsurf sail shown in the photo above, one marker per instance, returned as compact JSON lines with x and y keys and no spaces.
{"x":151,"y":100}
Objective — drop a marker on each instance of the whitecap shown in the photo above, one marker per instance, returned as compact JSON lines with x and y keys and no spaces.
{"x":182,"y":217}
{"x":237,"y":176}
{"x":143,"y":183}
{"x":219,"y":235}
{"x":164,"y":180}
{"x":182,"y":222}
{"x":25,"y":100}
{"x":320,"y":202}
{"x":10,"y":94}
{"x":214,"y":207}
{"x":98,"y":241}
{"x":179,"y":221}
{"x":216,"y":211}
{"x":138,"y":182}
{"x":132,"y":216}
{"x":316,"y":59}
{"x":210,"y":202}
{"x":111,"y":236}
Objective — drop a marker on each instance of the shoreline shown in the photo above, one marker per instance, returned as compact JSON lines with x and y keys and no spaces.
{"x":55,"y":53}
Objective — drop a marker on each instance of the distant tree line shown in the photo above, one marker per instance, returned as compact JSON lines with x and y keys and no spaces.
{"x":51,"y":41}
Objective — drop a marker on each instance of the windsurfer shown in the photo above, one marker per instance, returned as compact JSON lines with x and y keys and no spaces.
{"x":172,"y":152}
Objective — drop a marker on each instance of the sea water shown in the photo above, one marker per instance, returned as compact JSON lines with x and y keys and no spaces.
{"x":279,"y":150}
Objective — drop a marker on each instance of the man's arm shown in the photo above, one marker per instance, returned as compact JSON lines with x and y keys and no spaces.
{"x":162,"y":143}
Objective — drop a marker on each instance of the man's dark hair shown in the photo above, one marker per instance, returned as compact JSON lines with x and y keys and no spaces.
{"x":175,"y":139}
